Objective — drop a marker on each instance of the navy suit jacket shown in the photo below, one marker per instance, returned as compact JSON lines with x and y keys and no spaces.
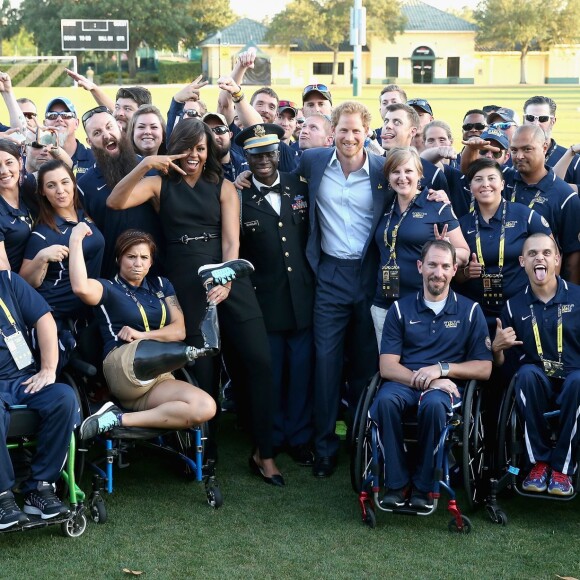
{"x":311,"y":167}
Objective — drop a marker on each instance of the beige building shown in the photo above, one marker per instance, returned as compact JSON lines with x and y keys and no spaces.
{"x":435,"y":48}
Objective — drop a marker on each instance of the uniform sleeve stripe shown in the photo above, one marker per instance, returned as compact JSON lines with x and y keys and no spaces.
{"x":396,"y":305}
{"x":568,"y":198}
{"x":441,"y":209}
{"x":472,"y":310}
{"x":530,"y":217}
{"x":109,"y":323}
{"x":509,"y":307}
{"x":39,"y":235}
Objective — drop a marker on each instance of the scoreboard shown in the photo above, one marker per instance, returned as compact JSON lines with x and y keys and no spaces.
{"x":95,"y":35}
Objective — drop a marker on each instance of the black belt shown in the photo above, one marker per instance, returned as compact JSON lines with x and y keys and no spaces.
{"x":185,"y":239}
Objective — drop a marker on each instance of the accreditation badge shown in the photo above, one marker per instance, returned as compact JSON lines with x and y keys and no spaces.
{"x":554,"y":369}
{"x":492,"y":291}
{"x":391,"y":281}
{"x":19,"y":350}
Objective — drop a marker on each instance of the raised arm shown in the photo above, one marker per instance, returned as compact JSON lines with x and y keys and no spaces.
{"x":98,"y":94}
{"x":90,"y":291}
{"x":17,"y":119}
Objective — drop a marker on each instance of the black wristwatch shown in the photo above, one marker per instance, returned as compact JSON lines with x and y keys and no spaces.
{"x":444,"y":368}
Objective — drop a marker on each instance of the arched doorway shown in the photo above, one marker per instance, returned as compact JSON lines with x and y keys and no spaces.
{"x":423,"y":63}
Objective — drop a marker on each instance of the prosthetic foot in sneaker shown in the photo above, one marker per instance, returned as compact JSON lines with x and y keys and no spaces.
{"x":104,"y":420}
{"x":224,"y":272}
{"x":43,"y":502}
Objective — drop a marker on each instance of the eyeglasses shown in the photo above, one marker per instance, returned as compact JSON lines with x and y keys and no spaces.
{"x":502,"y":126}
{"x":539,"y":118}
{"x":66,"y":115}
{"x":30,"y":115}
{"x":471,"y":126}
{"x":286,"y":104}
{"x":220,"y":130}
{"x":95,"y":111}
{"x":191,"y":113}
{"x":320,"y":88}
{"x":494,"y":154}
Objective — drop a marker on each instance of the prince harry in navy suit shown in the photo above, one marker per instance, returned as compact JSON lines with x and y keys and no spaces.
{"x":348,"y":195}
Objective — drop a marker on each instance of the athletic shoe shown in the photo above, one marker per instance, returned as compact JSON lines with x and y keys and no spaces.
{"x":395,"y":497}
{"x":105,"y":419}
{"x":224,"y":272}
{"x":420,"y":500}
{"x":537,"y":479}
{"x":10,"y":514}
{"x":560,"y":484}
{"x":43,"y":502}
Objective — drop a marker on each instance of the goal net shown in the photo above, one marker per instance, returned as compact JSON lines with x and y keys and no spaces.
{"x":39,"y":71}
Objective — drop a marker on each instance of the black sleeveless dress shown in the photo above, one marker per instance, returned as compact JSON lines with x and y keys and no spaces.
{"x":194,"y":211}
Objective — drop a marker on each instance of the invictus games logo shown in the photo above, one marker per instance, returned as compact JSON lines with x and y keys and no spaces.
{"x":451,"y":323}
{"x":567,"y":308}
{"x":419,"y":214}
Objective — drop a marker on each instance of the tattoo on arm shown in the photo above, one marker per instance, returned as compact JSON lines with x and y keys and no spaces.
{"x":172,"y":301}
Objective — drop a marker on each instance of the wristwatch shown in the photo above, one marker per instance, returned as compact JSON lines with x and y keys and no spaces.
{"x":444,"y":368}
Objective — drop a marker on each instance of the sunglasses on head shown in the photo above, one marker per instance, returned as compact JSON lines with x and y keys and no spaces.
{"x":191,"y":113}
{"x":321,"y":88}
{"x":494,"y":154}
{"x":95,"y":111}
{"x":539,"y":118}
{"x":418,"y":102}
{"x":285,"y":104}
{"x":476,"y":126}
{"x":220,"y":130}
{"x":502,"y":126}
{"x":30,"y":115}
{"x":54,"y":115}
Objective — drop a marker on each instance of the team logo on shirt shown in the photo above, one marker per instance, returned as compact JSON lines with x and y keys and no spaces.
{"x":419,"y":214}
{"x":547,"y":225}
{"x":488,"y":343}
{"x":540,"y":200}
{"x":567,"y":308}
{"x":451,"y":323}
{"x":511,"y":224}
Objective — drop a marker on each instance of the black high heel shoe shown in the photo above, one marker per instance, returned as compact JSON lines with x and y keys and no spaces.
{"x":276,"y":480}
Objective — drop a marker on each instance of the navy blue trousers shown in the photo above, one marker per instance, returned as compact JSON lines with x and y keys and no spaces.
{"x":392,"y":403}
{"x":59,"y":413}
{"x":536,"y":394}
{"x":292,"y":367}
{"x":343,"y":329}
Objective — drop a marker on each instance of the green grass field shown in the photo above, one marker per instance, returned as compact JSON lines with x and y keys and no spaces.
{"x":449,"y":102}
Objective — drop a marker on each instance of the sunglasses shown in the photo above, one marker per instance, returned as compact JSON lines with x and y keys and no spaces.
{"x":220,"y":130}
{"x":36,"y":145}
{"x":95,"y":111}
{"x":54,"y":115}
{"x":418,"y":102}
{"x":320,"y":88}
{"x":502,"y":126}
{"x":494,"y":154}
{"x":471,"y":126}
{"x":285,"y":104}
{"x":191,"y":113}
{"x":30,"y":115}
{"x":539,"y":118}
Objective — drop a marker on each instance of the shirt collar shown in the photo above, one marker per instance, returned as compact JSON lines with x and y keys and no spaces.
{"x":144,"y":285}
{"x":365,"y":166}
{"x":543,"y":185}
{"x":561,"y":296}
{"x":60,"y":221}
{"x":259,"y":184}
{"x":450,"y":305}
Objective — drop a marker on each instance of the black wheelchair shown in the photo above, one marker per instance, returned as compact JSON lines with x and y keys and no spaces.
{"x":465,"y":431}
{"x":24,"y":424}
{"x":188,"y":447}
{"x":513,"y":459}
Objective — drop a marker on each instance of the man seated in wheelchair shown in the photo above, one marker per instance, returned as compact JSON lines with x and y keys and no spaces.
{"x":24,"y":382}
{"x":541,"y":328}
{"x":433,"y":342}
{"x":142,"y":326}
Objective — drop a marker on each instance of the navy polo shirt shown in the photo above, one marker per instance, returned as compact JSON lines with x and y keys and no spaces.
{"x":83,"y":159}
{"x":117,"y":308}
{"x":15,"y":228}
{"x":457,"y":334}
{"x":433,"y":177}
{"x":415,"y":230}
{"x":517,"y":314}
{"x":558,"y":203}
{"x":555,"y":153}
{"x":459,"y":193}
{"x":236,"y":165}
{"x":26,"y":307}
{"x":520,"y":223}
{"x":94,"y":192}
{"x":56,"y":288}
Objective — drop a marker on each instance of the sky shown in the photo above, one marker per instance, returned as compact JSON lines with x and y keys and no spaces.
{"x":249,"y":8}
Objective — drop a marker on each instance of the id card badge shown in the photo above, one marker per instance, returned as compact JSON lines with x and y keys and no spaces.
{"x":492,"y":291}
{"x":554,"y":369}
{"x":19,"y":350}
{"x":391,"y":281}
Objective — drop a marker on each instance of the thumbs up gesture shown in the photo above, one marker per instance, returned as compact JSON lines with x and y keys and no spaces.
{"x":473,"y":268}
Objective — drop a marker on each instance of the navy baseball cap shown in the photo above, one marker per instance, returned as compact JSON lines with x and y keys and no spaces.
{"x":422,"y":104}
{"x":496,"y":135}
{"x":504,"y":114}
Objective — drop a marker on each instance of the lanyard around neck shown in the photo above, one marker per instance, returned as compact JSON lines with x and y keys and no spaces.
{"x":393,"y":244}
{"x":559,"y":334}
{"x":140,"y":307}
{"x":501,"y":238}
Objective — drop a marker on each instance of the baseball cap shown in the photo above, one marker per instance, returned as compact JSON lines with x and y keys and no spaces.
{"x":318,"y":88}
{"x":422,"y":104}
{"x":66,"y":102}
{"x":288,"y":106}
{"x":217,"y":116}
{"x":504,"y":114}
{"x":496,"y":135}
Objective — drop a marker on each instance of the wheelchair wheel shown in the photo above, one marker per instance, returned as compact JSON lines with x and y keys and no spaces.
{"x":215,"y":497}
{"x":370,"y":518}
{"x":464,"y":529}
{"x":98,"y":509}
{"x":473,"y":451}
{"x":360,"y":455}
{"x":511,"y":451}
{"x":75,"y":526}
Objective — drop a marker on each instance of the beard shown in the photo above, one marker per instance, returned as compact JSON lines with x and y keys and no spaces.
{"x":114,"y":168}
